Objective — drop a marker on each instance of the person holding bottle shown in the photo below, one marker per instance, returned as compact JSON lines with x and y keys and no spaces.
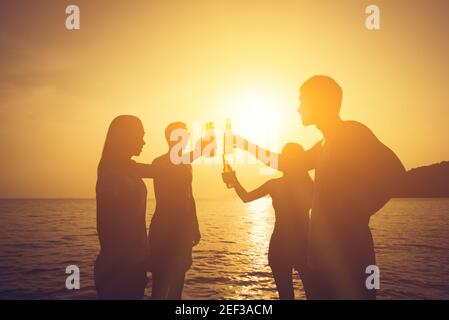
{"x":174,"y":228}
{"x":292,"y":200}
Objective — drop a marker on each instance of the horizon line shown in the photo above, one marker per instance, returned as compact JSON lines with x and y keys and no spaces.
{"x":196,"y":198}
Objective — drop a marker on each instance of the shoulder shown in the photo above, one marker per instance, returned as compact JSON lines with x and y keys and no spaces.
{"x":160,"y":160}
{"x":317,"y":147}
{"x":355,"y":133}
{"x":355,"y":127}
{"x":273,"y":183}
{"x":370,"y":147}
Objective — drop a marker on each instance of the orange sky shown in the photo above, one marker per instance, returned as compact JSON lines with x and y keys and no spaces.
{"x":209,"y":60}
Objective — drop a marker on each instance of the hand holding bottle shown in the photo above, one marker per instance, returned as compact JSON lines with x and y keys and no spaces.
{"x":227,"y":148}
{"x":229,"y":177}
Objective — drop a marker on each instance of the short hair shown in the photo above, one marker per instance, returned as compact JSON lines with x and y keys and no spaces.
{"x":325,"y":89}
{"x":172,"y":127}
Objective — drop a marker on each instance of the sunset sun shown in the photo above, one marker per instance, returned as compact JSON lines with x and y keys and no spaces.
{"x":254,"y":113}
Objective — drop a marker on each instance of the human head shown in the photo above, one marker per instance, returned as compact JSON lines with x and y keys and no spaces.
{"x":176,"y":132}
{"x":124,"y":139}
{"x":291,"y":159}
{"x":320,"y":100}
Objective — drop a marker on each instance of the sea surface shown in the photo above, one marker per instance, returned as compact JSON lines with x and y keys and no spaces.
{"x":40,"y":238}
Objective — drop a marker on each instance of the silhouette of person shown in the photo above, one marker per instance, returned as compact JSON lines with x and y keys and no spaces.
{"x":292,"y":200}
{"x":174,"y":227}
{"x":355,"y":176}
{"x":121,"y":206}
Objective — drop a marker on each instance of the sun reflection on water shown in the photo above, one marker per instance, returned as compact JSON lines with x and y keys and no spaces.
{"x":259,"y":219}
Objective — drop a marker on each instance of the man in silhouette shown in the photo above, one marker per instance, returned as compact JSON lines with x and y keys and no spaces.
{"x":174,"y":227}
{"x":355,"y":176}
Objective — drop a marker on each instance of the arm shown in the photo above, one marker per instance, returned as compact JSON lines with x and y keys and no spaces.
{"x":271,"y":159}
{"x":377,"y":173}
{"x":145,"y":170}
{"x":267,"y":157}
{"x":244,"y":195}
{"x":196,"y":231}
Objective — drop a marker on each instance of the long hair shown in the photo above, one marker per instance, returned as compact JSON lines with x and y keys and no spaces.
{"x":121,"y":132}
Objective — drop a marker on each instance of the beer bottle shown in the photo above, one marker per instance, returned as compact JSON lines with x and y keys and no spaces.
{"x":227,"y":148}
{"x":210,"y":134}
{"x":227,"y":138}
{"x":226,"y":169}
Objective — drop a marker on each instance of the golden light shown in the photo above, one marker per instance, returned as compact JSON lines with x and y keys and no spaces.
{"x":254,"y":113}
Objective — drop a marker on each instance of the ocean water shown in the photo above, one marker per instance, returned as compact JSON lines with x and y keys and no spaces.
{"x":39,"y":238}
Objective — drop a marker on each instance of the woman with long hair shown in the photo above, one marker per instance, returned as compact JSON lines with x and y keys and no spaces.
{"x":120,"y":268}
{"x":121,"y":207}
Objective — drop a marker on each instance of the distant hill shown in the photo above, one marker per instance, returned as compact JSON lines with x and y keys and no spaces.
{"x":427,"y":181}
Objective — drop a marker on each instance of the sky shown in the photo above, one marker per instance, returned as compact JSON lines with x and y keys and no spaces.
{"x":198,"y":61}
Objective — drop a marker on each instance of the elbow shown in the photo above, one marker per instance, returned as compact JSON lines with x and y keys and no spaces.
{"x":246,"y":199}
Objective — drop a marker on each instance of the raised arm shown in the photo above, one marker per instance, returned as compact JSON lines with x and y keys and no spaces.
{"x":271,"y":159}
{"x":267,"y":157}
{"x":244,"y":195}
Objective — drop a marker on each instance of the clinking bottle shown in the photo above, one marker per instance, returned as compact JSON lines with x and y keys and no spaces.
{"x":227,"y":138}
{"x":210,"y":133}
{"x":226,"y":169}
{"x":227,"y":148}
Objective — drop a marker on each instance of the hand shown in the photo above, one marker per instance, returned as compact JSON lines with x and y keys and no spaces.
{"x":196,"y":237}
{"x":229,"y":177}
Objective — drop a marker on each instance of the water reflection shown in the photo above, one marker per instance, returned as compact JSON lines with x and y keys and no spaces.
{"x":258,"y":222}
{"x":41,"y":237}
{"x":260,"y":217}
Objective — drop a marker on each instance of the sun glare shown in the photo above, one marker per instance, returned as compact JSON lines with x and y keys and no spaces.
{"x":254,"y":114}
